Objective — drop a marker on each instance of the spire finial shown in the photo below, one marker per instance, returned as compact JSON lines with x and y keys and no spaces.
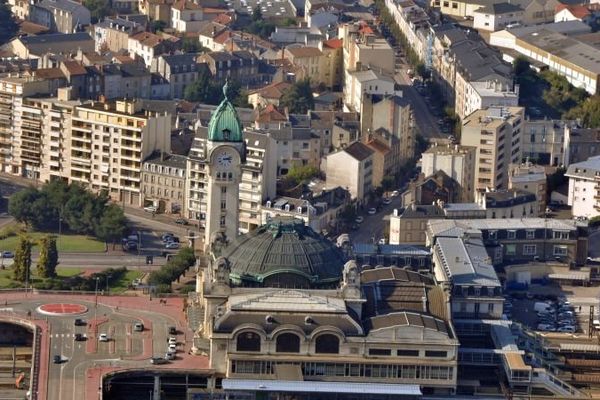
{"x":225,"y":87}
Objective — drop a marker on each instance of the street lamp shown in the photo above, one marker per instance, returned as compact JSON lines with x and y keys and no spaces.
{"x":96,"y":291}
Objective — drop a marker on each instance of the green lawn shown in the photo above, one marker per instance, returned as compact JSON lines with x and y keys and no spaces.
{"x":65,"y":243}
{"x":7,"y":274}
{"x":123,"y":284}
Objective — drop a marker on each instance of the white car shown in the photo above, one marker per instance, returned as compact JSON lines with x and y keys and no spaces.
{"x":372,"y":211}
{"x":382,"y":241}
{"x":359,"y":219}
{"x":103,"y":337}
{"x":150,"y":209}
{"x":395,"y":193}
{"x":172,"y":340}
{"x":566,"y":329}
{"x":172,"y":348}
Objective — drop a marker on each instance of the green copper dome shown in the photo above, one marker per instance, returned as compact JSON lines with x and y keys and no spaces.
{"x":224,"y":125}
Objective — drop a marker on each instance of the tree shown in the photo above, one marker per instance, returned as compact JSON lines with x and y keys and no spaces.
{"x":48,"y":258}
{"x":22,"y":260}
{"x":8,"y":26}
{"x":201,"y":90}
{"x":299,"y":98}
{"x":191,"y":45}
{"x":112,"y":225}
{"x":303,"y":173}
{"x":520,"y":66}
{"x":588,"y":112}
{"x":98,"y":9}
{"x":20,"y":205}
{"x":388,"y":182}
{"x":257,"y":14}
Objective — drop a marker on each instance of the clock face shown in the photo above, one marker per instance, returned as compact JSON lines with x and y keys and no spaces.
{"x":225,"y":159}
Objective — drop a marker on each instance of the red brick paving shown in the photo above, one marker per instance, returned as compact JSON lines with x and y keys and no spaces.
{"x":63,"y":308}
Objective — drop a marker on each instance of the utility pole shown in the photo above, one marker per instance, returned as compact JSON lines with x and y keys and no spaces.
{"x":107,"y":278}
{"x":96,"y":292}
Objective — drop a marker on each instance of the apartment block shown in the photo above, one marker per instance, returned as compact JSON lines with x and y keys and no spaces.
{"x":580,"y":144}
{"x":163,"y":182}
{"x":363,"y":49}
{"x":63,"y":16}
{"x":531,"y":178}
{"x":180,"y":70}
{"x":113,"y":34}
{"x":458,"y":162}
{"x":584,"y":187}
{"x":352,"y":169}
{"x":543,"y":140}
{"x":359,"y":84}
{"x":20,"y":125}
{"x":496,"y":132}
{"x":109,"y":142}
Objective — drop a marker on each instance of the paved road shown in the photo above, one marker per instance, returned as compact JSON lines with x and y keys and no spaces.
{"x":373,"y":227}
{"x":126,"y":349}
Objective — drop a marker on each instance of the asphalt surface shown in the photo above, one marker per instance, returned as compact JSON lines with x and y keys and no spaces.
{"x":373,"y":227}
{"x":124,"y":350}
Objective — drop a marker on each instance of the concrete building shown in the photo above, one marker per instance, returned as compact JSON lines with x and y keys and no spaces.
{"x":21,"y":125}
{"x":186,"y":16}
{"x":63,"y":16}
{"x":410,"y":226}
{"x":308,"y":288}
{"x":240,"y":66}
{"x":363,"y":49}
{"x":580,"y":144}
{"x":256,"y":171}
{"x":496,"y":16}
{"x":463,"y":267}
{"x":543,"y":140}
{"x":179,"y":70}
{"x":147,"y":46}
{"x":508,"y":203}
{"x":531,"y":178}
{"x":34,"y":47}
{"x":319,"y":211}
{"x":359,"y":84}
{"x":112,"y":34}
{"x":163,"y":182}
{"x":352,"y":169}
{"x":109,"y":142}
{"x":520,"y":240}
{"x":270,"y":94}
{"x":458,"y":162}
{"x":311,"y":62}
{"x":496,"y":132}
{"x":333,"y":62}
{"x":389,"y":118}
{"x":584,"y":187}
{"x":426,"y":190}
{"x":534,"y":11}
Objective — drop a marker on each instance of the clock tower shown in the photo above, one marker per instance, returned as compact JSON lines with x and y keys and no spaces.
{"x":225,"y":155}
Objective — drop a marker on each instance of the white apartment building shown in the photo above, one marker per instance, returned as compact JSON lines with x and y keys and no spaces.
{"x":368,"y":82}
{"x":362,"y":49}
{"x":20,"y":126}
{"x":352,"y":169}
{"x":458,"y":162}
{"x":584,"y":187}
{"x":109,"y":142}
{"x":483,"y":94}
{"x":496,"y":132}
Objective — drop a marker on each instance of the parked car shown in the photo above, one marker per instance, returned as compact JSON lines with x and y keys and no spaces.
{"x":57,"y":359}
{"x":566,"y":329}
{"x":372,"y":211}
{"x":7,"y":254}
{"x":359,"y":219}
{"x":172,"y":330}
{"x":172,"y":340}
{"x":382,"y":241}
{"x":172,"y":348}
{"x":158,"y":360}
{"x":79,"y":322}
{"x":166,"y":237}
{"x":172,"y":245}
{"x":395,"y":193}
{"x":150,"y":209}
{"x":103,"y":337}
{"x":169,"y":355}
{"x":79,"y":337}
{"x":386,"y":200}
{"x":138,"y":327}
{"x":181,"y":221}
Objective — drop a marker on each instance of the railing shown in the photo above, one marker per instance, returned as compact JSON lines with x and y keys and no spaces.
{"x":542,"y":376}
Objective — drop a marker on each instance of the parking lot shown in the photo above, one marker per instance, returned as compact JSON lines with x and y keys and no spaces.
{"x":268,"y":8}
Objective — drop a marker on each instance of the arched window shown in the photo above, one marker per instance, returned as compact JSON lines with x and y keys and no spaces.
{"x":248,"y":341}
{"x":327,"y":344}
{"x":288,"y":343}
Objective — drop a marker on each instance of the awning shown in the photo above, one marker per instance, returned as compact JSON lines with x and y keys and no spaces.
{"x":320,"y":387}
{"x":571,"y":276}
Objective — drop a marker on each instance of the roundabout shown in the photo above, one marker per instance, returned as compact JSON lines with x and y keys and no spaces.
{"x":62,"y":309}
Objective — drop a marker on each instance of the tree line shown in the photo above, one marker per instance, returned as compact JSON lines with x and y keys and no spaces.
{"x":58,"y":205}
{"x":172,"y":270}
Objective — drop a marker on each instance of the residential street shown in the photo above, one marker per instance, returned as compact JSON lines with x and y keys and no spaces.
{"x":373,"y":227}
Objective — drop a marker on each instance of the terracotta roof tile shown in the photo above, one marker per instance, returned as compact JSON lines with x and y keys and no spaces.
{"x":49,"y":73}
{"x":578,"y":11}
{"x":147,"y":38}
{"x":333,"y":43}
{"x":74,"y":68}
{"x":273,"y":91}
{"x":270,"y":114}
{"x":304,"y":51}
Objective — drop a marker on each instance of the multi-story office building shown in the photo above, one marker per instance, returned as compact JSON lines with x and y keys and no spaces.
{"x":458,"y":162}
{"x":496,"y":132}
{"x":109,"y":142}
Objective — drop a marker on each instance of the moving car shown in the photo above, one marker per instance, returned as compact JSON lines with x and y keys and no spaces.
{"x":172,"y":348}
{"x":372,"y":211}
{"x":79,"y":337}
{"x":172,"y":330}
{"x":386,"y":200}
{"x":181,"y":221}
{"x":172,"y":245}
{"x":150,"y":209}
{"x":169,"y":355}
{"x":79,"y":322}
{"x":7,"y":254}
{"x":57,"y":359}
{"x":158,"y":360}
{"x":138,"y":327}
{"x":395,"y":193}
{"x":103,"y":337}
{"x":172,"y":340}
{"x":359,"y":219}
